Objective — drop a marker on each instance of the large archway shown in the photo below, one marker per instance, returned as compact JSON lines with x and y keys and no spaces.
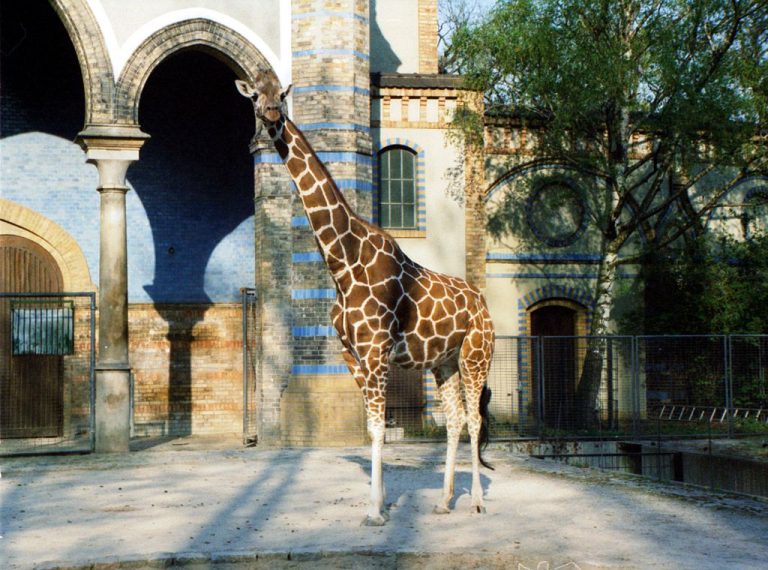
{"x":195,"y":180}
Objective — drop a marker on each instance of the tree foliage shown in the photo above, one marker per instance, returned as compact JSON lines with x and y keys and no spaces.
{"x":716,"y":285}
{"x":634,"y":90}
{"x":664,"y":102}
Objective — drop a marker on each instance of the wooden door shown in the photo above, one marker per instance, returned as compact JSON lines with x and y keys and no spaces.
{"x":31,"y":386}
{"x":558,"y":362}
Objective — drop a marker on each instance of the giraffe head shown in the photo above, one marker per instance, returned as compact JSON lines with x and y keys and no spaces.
{"x":267,"y":98}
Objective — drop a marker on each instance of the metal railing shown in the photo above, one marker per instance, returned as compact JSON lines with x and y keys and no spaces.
{"x":608,"y":387}
{"x":47,"y":363}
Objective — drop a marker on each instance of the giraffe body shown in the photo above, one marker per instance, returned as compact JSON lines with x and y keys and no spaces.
{"x":389,"y":310}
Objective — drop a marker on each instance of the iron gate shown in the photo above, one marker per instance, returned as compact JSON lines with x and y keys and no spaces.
{"x":47,"y":362}
{"x":251,"y":387}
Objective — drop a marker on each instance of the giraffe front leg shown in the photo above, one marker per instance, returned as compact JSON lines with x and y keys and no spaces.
{"x":374,"y":392}
{"x":377,"y":515}
{"x":450,"y":397}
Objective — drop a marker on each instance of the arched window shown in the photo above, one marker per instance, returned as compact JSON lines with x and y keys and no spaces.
{"x":397,"y":188}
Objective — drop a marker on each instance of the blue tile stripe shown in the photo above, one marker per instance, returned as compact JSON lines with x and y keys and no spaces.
{"x":299,"y":222}
{"x":330,"y":369}
{"x":332,"y":89}
{"x":267,"y":158}
{"x":331,"y":51}
{"x":307,"y":257}
{"x":354,"y":184}
{"x":314,"y":331}
{"x":350,"y":157}
{"x":330,"y":14}
{"x":589,"y":275}
{"x":543,"y":257}
{"x":335,"y":126}
{"x":301,"y":294}
{"x":325,"y":157}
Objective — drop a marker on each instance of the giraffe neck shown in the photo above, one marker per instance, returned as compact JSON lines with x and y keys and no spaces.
{"x":330,"y":216}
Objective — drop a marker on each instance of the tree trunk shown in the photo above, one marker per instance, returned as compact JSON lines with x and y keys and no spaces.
{"x":585,"y":406}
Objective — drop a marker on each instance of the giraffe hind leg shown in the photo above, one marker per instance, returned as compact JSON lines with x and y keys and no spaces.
{"x":449,"y":388}
{"x":477,"y":396}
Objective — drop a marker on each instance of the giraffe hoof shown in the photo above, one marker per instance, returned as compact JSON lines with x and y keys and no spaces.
{"x":479,"y":509}
{"x":380,"y":520}
{"x":441,"y":510}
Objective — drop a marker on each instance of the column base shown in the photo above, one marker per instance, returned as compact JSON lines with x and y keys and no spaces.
{"x":113,"y":409}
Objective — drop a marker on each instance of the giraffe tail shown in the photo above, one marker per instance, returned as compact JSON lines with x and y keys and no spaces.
{"x":485,"y":435}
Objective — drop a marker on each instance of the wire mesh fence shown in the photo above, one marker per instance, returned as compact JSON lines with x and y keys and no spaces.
{"x":604,"y":387}
{"x":47,"y":360}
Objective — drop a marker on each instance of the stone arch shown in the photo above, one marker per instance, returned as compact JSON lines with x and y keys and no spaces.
{"x":18,"y":220}
{"x":91,"y":50}
{"x":573,"y":298}
{"x":542,"y":164}
{"x":222,"y":42}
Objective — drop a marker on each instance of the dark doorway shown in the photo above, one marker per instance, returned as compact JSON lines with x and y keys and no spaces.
{"x":31,"y":385}
{"x":556,"y":325}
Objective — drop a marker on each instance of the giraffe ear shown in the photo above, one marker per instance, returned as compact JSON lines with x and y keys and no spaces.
{"x":245,"y":89}
{"x":285,"y":93}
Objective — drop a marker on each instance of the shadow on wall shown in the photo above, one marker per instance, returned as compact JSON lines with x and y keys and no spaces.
{"x":195,"y":177}
{"x":383,"y":57}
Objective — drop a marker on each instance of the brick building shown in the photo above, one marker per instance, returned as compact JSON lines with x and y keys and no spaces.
{"x":188,"y":202}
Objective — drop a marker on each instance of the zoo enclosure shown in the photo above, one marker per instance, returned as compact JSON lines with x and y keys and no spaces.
{"x":644,"y":386}
{"x":47,"y":362}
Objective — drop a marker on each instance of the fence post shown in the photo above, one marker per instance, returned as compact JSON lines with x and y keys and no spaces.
{"x":244,"y":305}
{"x":539,"y":377}
{"x":727,"y":347}
{"x":634,"y":360}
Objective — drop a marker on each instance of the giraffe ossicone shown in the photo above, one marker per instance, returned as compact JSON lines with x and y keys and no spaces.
{"x":389,"y":310}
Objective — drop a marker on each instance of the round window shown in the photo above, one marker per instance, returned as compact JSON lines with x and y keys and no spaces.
{"x":556,"y":213}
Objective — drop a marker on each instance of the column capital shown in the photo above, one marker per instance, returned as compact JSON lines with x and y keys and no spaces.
{"x":111,"y":142}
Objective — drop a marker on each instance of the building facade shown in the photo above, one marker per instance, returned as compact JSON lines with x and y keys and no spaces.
{"x":130,"y":163}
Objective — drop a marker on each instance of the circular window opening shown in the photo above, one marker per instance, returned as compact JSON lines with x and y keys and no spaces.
{"x":556,"y":213}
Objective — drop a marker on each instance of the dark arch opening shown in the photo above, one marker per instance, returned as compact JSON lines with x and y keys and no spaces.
{"x":41,"y":87}
{"x":195,"y":180}
{"x":195,"y":176}
{"x":554,"y":395}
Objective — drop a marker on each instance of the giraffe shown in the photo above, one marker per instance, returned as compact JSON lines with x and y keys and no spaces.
{"x":389,"y":310}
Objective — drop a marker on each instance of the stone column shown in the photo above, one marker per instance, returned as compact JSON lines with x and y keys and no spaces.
{"x":112,"y":150}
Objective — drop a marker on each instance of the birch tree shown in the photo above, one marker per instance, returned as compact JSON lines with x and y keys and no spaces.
{"x":665,"y":101}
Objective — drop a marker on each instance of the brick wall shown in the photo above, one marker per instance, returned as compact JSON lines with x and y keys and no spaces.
{"x":187,"y":368}
{"x":427,"y":36}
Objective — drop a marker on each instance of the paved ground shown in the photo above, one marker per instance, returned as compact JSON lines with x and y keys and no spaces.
{"x":193,"y":504}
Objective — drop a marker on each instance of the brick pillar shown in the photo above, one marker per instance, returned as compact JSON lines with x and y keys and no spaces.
{"x":112,"y":150}
{"x":331,"y":105}
{"x":474,"y":198}
{"x":427,"y":36}
{"x":272,"y":203}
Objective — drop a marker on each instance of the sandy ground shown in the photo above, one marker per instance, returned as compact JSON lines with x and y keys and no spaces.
{"x":196,"y":507}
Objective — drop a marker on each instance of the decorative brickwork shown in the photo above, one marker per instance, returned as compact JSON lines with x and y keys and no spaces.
{"x":245,"y":60}
{"x":427,"y":36}
{"x":95,"y":65}
{"x":15,"y":219}
{"x":187,"y":368}
{"x":331,"y":104}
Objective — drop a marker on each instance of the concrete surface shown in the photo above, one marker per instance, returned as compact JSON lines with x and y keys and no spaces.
{"x":201,"y":503}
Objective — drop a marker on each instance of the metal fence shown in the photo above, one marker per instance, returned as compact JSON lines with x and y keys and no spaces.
{"x":251,"y":389}
{"x":47,"y":361}
{"x":605,"y":387}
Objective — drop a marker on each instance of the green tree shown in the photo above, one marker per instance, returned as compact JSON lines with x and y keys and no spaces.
{"x":715,"y":285}
{"x":662,"y":100}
